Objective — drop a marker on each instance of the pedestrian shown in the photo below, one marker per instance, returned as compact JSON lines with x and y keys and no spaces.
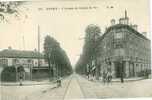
{"x":104,"y":77}
{"x":109,"y":77}
{"x":88,"y":71}
{"x":88,"y":75}
{"x":59,"y":82}
{"x":20,"y":79}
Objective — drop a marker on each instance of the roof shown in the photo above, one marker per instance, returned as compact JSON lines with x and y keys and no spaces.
{"x":118,"y":26}
{"x":10,"y":53}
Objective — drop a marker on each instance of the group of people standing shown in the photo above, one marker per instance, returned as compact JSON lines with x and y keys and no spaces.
{"x":105,"y":76}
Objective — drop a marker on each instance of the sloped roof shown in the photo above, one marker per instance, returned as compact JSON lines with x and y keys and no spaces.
{"x":118,"y":26}
{"x":10,"y":53}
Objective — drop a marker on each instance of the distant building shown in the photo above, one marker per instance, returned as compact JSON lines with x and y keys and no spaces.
{"x":123,"y":49}
{"x":27,"y":59}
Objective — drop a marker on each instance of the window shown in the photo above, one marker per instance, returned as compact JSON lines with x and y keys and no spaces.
{"x":15,"y":61}
{"x":40,"y":62}
{"x":118,"y":44}
{"x":29,"y":60}
{"x":119,"y":52}
{"x":4,"y":62}
{"x":118,"y":35}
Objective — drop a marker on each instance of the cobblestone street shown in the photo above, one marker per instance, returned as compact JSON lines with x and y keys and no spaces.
{"x":77,"y":87}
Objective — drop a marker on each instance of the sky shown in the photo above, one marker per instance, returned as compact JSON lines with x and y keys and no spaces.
{"x":66,"y":22}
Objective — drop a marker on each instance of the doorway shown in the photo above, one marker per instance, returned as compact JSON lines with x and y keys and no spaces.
{"x":119,"y":69}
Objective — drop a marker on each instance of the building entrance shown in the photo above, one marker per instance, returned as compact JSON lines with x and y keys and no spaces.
{"x":119,"y":69}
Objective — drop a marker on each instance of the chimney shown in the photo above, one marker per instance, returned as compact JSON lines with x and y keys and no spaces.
{"x":35,"y":50}
{"x":113,"y":22}
{"x":125,"y":13}
{"x":122,"y":21}
{"x":125,"y":19}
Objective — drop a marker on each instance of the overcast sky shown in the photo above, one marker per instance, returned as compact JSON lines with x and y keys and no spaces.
{"x":67,"y":25}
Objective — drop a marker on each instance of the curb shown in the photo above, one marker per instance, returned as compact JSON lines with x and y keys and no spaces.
{"x":30,"y":84}
{"x":113,"y":81}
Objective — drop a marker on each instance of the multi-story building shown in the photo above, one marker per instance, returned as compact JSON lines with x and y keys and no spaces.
{"x":122,"y":49}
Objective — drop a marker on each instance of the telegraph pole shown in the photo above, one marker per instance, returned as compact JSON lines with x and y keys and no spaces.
{"x":38,"y":47}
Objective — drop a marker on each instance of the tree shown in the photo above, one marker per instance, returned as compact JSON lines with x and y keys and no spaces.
{"x":49,"y":45}
{"x":92,"y":31}
{"x":57,"y":57}
{"x":9,"y":74}
{"x":92,"y":35}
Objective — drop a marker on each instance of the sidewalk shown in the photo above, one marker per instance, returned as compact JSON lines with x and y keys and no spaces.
{"x":117,"y":79}
{"x":28,"y":82}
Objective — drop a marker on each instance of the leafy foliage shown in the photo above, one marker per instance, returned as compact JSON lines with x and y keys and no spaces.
{"x":89,"y":49}
{"x":55,"y":55}
{"x":9,"y":74}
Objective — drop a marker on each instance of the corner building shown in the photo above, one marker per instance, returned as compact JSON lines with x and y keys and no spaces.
{"x":122,"y":49}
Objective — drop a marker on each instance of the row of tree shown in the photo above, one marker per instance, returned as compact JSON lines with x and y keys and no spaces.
{"x":59,"y":64}
{"x":92,"y":34}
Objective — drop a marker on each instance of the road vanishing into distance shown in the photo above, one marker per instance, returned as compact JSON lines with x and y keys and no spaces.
{"x":77,"y":87}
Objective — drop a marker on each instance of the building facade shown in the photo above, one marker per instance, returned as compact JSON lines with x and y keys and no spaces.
{"x":123,"y":50}
{"x":29,"y":60}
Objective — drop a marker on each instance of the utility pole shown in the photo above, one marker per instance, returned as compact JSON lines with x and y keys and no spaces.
{"x":38,"y":47}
